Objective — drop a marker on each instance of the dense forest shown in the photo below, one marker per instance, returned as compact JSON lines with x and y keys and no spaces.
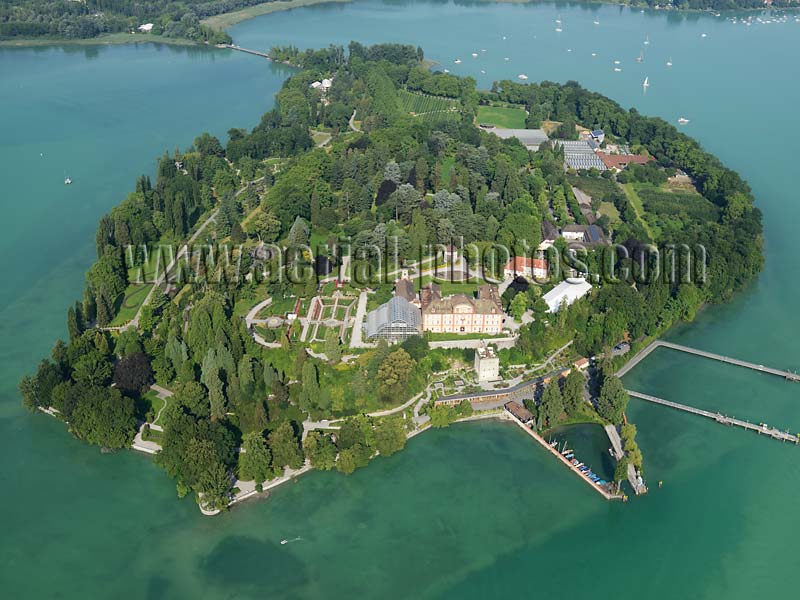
{"x":398,"y":180}
{"x":72,"y":19}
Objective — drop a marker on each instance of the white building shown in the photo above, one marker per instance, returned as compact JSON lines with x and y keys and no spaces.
{"x":566,"y":292}
{"x":146,"y":28}
{"x":487,"y":364}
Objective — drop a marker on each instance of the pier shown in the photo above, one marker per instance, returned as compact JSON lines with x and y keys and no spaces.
{"x":245,"y":50}
{"x":720,"y":418}
{"x":788,"y":375}
{"x":603,"y":491}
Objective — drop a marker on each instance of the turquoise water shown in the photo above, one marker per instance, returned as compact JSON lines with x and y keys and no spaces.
{"x":469,"y":512}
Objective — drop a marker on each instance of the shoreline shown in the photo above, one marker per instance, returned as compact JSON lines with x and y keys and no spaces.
{"x":229,"y":19}
{"x":112,"y":39}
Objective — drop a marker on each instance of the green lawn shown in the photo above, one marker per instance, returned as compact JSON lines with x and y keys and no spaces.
{"x":156,"y":403}
{"x":131,"y":301}
{"x":638,"y":208}
{"x":609,"y":210}
{"x":507,"y":118}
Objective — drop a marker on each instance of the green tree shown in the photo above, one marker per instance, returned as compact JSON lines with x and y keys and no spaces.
{"x":442,"y":416}
{"x":518,"y":306}
{"x":332,"y":348}
{"x":103,"y":416}
{"x":621,"y":470}
{"x":552,"y":404}
{"x":255,"y":458}
{"x":395,"y":372}
{"x":573,"y":392}
{"x":285,"y":448}
{"x":320,"y":450}
{"x":613,"y":400}
{"x":390,"y":435}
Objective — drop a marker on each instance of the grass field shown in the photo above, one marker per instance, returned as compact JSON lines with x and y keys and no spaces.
{"x":131,"y":301}
{"x":636,"y":202}
{"x":609,"y":210}
{"x":428,"y":107}
{"x":499,"y":116}
{"x":226,"y":20}
{"x":596,"y":187}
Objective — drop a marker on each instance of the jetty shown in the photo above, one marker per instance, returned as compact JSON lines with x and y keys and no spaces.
{"x":245,"y":50}
{"x":761,"y":429}
{"x":517,"y":415}
{"x":788,"y":375}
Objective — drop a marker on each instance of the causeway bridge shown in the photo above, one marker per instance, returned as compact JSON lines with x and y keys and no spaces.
{"x":245,"y":50}
{"x":788,"y":375}
{"x":772,"y":432}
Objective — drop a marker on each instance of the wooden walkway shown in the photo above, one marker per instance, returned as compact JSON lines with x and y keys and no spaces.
{"x":788,"y":375}
{"x":720,"y":418}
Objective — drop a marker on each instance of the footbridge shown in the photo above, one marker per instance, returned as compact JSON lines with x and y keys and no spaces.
{"x":788,"y":375}
{"x":762,"y":429}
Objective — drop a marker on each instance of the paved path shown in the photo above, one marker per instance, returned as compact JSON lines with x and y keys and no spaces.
{"x":616,"y":442}
{"x":352,"y":122}
{"x":503,"y":342}
{"x":356,"y":338}
{"x":250,"y":317}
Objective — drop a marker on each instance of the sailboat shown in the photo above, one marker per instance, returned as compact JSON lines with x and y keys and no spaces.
{"x":647,"y":40}
{"x":640,"y":58}
{"x":669,"y":62}
{"x":646,"y":83}
{"x":683,"y":121}
{"x":596,"y":21}
{"x":67,"y":181}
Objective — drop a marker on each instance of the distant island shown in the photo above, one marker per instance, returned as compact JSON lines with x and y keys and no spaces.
{"x":205,"y":21}
{"x":390,"y":249}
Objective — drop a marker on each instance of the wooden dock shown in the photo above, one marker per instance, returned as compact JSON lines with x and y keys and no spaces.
{"x":788,"y":375}
{"x":776,"y":434}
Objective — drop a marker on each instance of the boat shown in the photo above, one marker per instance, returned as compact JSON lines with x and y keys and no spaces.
{"x":646,"y":83}
{"x":683,"y":121}
{"x":474,"y":55}
{"x":617,"y":70}
{"x":67,"y":181}
{"x":616,"y":62}
{"x":640,"y":58}
{"x":506,"y":58}
{"x":457,"y":61}
{"x":559,"y":30}
{"x":669,"y":62}
{"x":703,"y":35}
{"x":594,"y":54}
{"x":446,"y":70}
{"x":522,"y":76}
{"x":647,"y":40}
{"x":596,"y":21}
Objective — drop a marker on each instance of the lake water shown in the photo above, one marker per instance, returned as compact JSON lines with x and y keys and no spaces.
{"x":472,"y":511}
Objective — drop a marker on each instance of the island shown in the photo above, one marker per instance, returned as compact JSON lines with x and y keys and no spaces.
{"x":390,"y":250}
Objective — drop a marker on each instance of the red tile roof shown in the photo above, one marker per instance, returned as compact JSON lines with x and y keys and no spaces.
{"x":520,"y":264}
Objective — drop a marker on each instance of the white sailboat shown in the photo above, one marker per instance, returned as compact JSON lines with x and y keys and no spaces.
{"x":669,"y":62}
{"x":683,"y":121}
{"x":67,"y":181}
{"x":646,"y":83}
{"x":647,"y":40}
{"x":640,"y":58}
{"x":596,"y":21}
{"x":457,"y":61}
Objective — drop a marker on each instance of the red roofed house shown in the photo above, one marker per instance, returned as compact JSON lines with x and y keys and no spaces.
{"x":532,"y":268}
{"x":620,"y":161}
